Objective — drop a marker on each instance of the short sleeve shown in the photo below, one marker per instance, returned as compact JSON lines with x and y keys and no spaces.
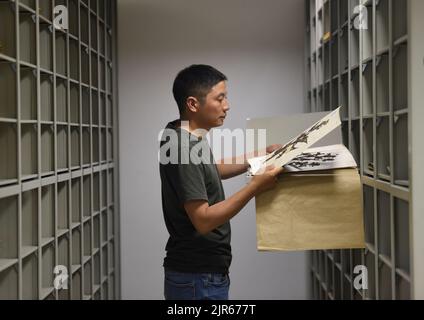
{"x":191,"y":182}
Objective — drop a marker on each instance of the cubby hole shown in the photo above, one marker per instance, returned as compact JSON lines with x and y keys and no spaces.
{"x":76,"y":247}
{"x":383,"y":210}
{"x":30,"y":277}
{"x":334,"y":16}
{"x":46,"y":46}
{"x":28,"y":79}
{"x":345,"y":133}
{"x":344,"y":11}
{"x":104,"y":144}
{"x":61,"y":100}
{"x":382,"y":24}
{"x":63,"y":205}
{"x":385,"y":281}
{"x":354,"y":96}
{"x":96,"y":266}
{"x":8,"y":30}
{"x":86,"y":150}
{"x":96,"y":232}
{"x":102,"y":109}
{"x":367,"y":89}
{"x":403,"y":289}
{"x":110,"y":144}
{"x":94,"y":70}
{"x":46,"y":98}
{"x":74,"y":59}
{"x":29,"y":167}
{"x":61,"y":62}
{"x":86,"y":196}
{"x":104,"y":227}
{"x":110,"y":187}
{"x":76,"y":286}
{"x":327,"y":62}
{"x":7,"y":89}
{"x":85,"y":106}
{"x":400,"y":150}
{"x":85,"y":66}
{"x":402,"y":233}
{"x":111,"y":220}
{"x":102,"y":38}
{"x":96,"y":151}
{"x":368,"y":149}
{"x":47,"y":149}
{"x":382,"y":83}
{"x":104,"y":261}
{"x":87,"y":279}
{"x":104,"y":189}
{"x":75,"y":105}
{"x":73,"y":17}
{"x":400,"y":20}
{"x":383,"y":148}
{"x":9,"y":283}
{"x":95,"y":107}
{"x":96,"y":192}
{"x":8,"y":156}
{"x":48,"y":212}
{"x":354,"y":47}
{"x":30,"y":219}
{"x":63,"y":259}
{"x":370,"y":264}
{"x":62,"y":147}
{"x":87,"y":238}
{"x":344,"y":49}
{"x":76,"y":200}
{"x":48,"y":264}
{"x":102,"y":73}
{"x":45,"y":8}
{"x":400,"y":77}
{"x":27,"y":37}
{"x":84,"y":24}
{"x":75,"y":147}
{"x":335,"y":56}
{"x":367,"y":34}
{"x":355,"y":146}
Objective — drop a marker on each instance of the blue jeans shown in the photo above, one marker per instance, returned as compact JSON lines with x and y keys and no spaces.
{"x":196,"y":286}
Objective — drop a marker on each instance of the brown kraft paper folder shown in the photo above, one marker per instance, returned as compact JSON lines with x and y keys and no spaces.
{"x":318,"y":210}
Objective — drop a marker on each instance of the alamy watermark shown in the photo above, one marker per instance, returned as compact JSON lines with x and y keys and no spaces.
{"x":61,"y":279}
{"x":61,"y":17}
{"x":360,"y":21}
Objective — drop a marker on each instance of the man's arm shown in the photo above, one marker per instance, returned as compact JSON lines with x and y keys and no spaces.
{"x":229,"y":168}
{"x":206,"y":218}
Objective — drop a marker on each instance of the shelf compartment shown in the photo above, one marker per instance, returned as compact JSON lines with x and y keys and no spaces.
{"x":74,"y":59}
{"x":383,"y":148}
{"x":61,"y":62}
{"x":345,"y":133}
{"x":94,"y":71}
{"x":46,"y":98}
{"x":344,"y":96}
{"x":403,"y":289}
{"x":95,"y":107}
{"x":7,"y":32}
{"x":73,"y":17}
{"x":385,"y":282}
{"x":84,"y":24}
{"x":102,"y":109}
{"x":102,"y":74}
{"x":110,"y":187}
{"x":29,"y":149}
{"x":354,"y":93}
{"x":86,"y":145}
{"x":86,"y":196}
{"x":8,"y":228}
{"x":112,"y":263}
{"x":75,"y":146}
{"x":47,"y":148}
{"x":76,"y":246}
{"x":30,"y":218}
{"x":400,"y":77}
{"x":109,"y":76}
{"x":45,"y":8}
{"x":61,"y":100}
{"x":48,"y":263}
{"x":367,"y":144}
{"x":85,"y":68}
{"x":85,"y":105}
{"x":327,"y":105}
{"x":382,"y":24}
{"x":384,"y":229}
{"x":344,"y":49}
{"x":400,"y":20}
{"x":400,"y":150}
{"x":368,"y":199}
{"x":7,"y":89}
{"x":110,"y":111}
{"x":96,"y":191}
{"x":382,"y":83}
{"x":87,"y":279}
{"x":63,"y":259}
{"x":28,"y":81}
{"x":367,"y":36}
{"x":104,"y":144}
{"x":104,"y":236}
{"x":354,"y":46}
{"x":327,"y":62}
{"x":95,"y":137}
{"x":370,"y":264}
{"x":102,"y":39}
{"x":30,"y":278}
{"x":9,"y":284}
{"x":27,"y":37}
{"x":46,"y":46}
{"x":93,"y":29}
{"x":402,"y":233}
{"x":355,"y":146}
{"x":76,"y":286}
{"x":110,"y":144}
{"x":96,"y":267}
{"x":346,"y":262}
{"x":347,"y":289}
{"x":104,"y":261}
{"x":334,"y":56}
{"x":48,"y":211}
{"x":63,"y":205}
{"x":76,"y":200}
{"x":367,"y":89}
{"x":112,"y":287}
{"x":8,"y":156}
{"x":96,"y":232}
{"x":87,"y":238}
{"x":62,"y":147}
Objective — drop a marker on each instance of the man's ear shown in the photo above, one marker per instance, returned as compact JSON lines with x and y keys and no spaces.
{"x":193,"y":104}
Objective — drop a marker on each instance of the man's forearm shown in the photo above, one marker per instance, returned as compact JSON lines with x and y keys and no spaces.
{"x":229,"y":168}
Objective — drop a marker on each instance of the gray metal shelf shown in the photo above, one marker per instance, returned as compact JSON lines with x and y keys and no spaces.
{"x":57,"y":165}
{"x":365,"y":72}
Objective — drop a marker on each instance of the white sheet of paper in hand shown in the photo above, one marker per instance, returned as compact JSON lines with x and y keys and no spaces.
{"x":322,"y":158}
{"x":299,"y":144}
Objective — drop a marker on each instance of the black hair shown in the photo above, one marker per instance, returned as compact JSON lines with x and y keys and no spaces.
{"x":195,"y":81}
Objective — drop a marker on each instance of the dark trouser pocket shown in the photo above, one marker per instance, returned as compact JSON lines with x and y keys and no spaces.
{"x":179,"y":287}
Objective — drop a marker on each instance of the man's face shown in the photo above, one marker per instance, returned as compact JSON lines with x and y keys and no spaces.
{"x":213,"y":111}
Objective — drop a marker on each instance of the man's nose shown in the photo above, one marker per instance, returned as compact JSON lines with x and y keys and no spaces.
{"x":226,"y":107}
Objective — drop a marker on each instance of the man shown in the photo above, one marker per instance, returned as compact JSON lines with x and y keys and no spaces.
{"x":195,"y":210}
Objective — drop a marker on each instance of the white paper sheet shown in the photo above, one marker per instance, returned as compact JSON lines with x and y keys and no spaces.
{"x":299,"y":144}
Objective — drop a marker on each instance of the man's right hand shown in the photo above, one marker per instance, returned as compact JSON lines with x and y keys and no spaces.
{"x":266,"y":180}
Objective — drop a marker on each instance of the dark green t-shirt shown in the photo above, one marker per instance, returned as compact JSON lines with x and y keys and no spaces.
{"x":185,"y":179}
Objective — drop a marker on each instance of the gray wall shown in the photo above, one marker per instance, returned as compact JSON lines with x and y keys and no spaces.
{"x":259,"y":46}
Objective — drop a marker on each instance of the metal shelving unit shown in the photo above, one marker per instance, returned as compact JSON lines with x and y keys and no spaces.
{"x":58,"y":160}
{"x":366,"y":72}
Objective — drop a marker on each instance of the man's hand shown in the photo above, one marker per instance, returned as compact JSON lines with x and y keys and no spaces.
{"x":267,"y":180}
